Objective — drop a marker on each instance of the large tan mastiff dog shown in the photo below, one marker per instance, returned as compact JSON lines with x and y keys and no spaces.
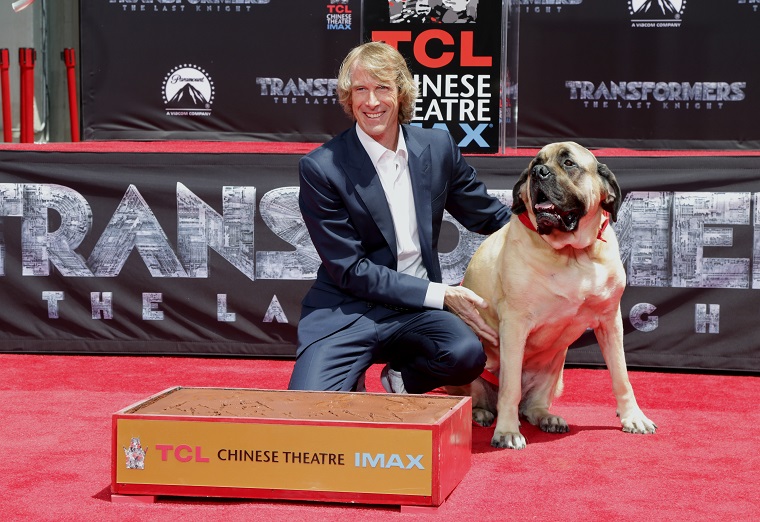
{"x":551,"y":273}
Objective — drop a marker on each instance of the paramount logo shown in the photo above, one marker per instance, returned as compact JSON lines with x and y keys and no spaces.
{"x":188,"y":91}
{"x":656,"y":13}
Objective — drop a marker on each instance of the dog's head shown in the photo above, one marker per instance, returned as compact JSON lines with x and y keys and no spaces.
{"x":561,"y":185}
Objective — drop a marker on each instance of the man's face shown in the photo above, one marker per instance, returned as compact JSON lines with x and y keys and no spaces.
{"x":375,"y":106}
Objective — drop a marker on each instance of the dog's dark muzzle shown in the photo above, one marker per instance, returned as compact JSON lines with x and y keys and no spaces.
{"x":553,"y":208}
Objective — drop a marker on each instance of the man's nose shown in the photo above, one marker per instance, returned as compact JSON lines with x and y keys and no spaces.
{"x":372,"y":98}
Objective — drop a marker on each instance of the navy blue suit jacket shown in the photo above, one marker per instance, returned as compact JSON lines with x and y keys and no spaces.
{"x":347,"y":215}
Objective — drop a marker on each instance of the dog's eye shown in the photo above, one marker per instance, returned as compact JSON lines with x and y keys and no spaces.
{"x":569,"y":163}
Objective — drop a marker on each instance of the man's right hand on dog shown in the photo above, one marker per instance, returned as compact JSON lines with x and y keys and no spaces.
{"x":465,"y":303}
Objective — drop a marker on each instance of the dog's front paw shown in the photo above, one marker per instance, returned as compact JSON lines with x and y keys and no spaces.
{"x":482,"y":417}
{"x":637,"y":422}
{"x":508,"y":440}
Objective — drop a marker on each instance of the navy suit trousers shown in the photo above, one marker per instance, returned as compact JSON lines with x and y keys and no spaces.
{"x":430,"y":348}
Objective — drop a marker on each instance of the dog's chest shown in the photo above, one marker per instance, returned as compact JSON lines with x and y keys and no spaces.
{"x":575,"y":298}
{"x":582,"y":287}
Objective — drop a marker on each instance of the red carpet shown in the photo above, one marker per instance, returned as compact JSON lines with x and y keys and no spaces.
{"x":701,"y":465}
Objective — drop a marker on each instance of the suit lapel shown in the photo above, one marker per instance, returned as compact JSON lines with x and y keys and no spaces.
{"x":419,"y":170}
{"x":359,"y":169}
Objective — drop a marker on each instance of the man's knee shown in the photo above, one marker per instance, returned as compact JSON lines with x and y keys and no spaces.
{"x":473,"y":363}
{"x":465,"y":360}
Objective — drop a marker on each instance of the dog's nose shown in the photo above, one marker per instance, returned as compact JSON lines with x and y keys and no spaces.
{"x":542,"y":171}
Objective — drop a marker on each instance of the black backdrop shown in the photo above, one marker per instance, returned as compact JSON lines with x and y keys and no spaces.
{"x":266,"y":70}
{"x":127,"y":253}
{"x":685,"y":75}
{"x":605,"y":73}
{"x":263,"y":68}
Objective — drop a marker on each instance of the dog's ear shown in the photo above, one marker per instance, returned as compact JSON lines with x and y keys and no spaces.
{"x":614,"y":196}
{"x":518,"y":205}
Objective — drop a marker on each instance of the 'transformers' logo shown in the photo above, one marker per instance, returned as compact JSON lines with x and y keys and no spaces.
{"x":188,"y":91}
{"x":656,"y":13}
{"x":650,"y":94}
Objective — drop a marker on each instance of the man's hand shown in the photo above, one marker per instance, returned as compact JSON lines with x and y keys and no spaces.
{"x":465,"y":303}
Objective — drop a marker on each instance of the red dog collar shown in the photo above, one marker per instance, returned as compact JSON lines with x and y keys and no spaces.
{"x":527,"y":222}
{"x":490,"y":377}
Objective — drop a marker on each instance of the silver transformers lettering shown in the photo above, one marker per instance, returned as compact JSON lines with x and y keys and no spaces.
{"x":133,"y":225}
{"x":643,"y":230}
{"x":52,"y":299}
{"x":221,"y":310}
{"x":275,"y":312}
{"x":647,"y":236}
{"x":101,"y":305}
{"x":707,"y":318}
{"x":692,"y":211}
{"x":11,"y":204}
{"x":279,"y":210}
{"x":659,"y":91}
{"x":756,"y":240}
{"x":150,"y":311}
{"x":319,"y":87}
{"x":662,"y":236}
{"x":40,"y":247}
{"x":636,"y":316}
{"x":200,"y":227}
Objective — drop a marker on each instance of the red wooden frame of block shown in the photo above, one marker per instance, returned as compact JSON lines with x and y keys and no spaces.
{"x":448,"y":457}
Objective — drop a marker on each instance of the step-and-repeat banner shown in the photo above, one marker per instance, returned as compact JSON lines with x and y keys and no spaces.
{"x":607,"y":73}
{"x":266,"y":69}
{"x":207,"y":254}
{"x":214,"y":70}
{"x":639,"y":73}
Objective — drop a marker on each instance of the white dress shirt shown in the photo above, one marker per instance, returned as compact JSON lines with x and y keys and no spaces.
{"x":393,"y":170}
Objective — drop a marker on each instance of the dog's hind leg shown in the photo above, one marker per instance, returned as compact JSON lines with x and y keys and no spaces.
{"x":539,"y":390}
{"x":483,"y":395}
{"x":484,"y":410}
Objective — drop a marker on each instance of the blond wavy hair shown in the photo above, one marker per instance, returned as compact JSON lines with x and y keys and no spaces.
{"x":385,"y":64}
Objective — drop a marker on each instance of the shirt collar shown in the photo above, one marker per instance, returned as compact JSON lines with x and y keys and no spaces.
{"x":375,"y":150}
